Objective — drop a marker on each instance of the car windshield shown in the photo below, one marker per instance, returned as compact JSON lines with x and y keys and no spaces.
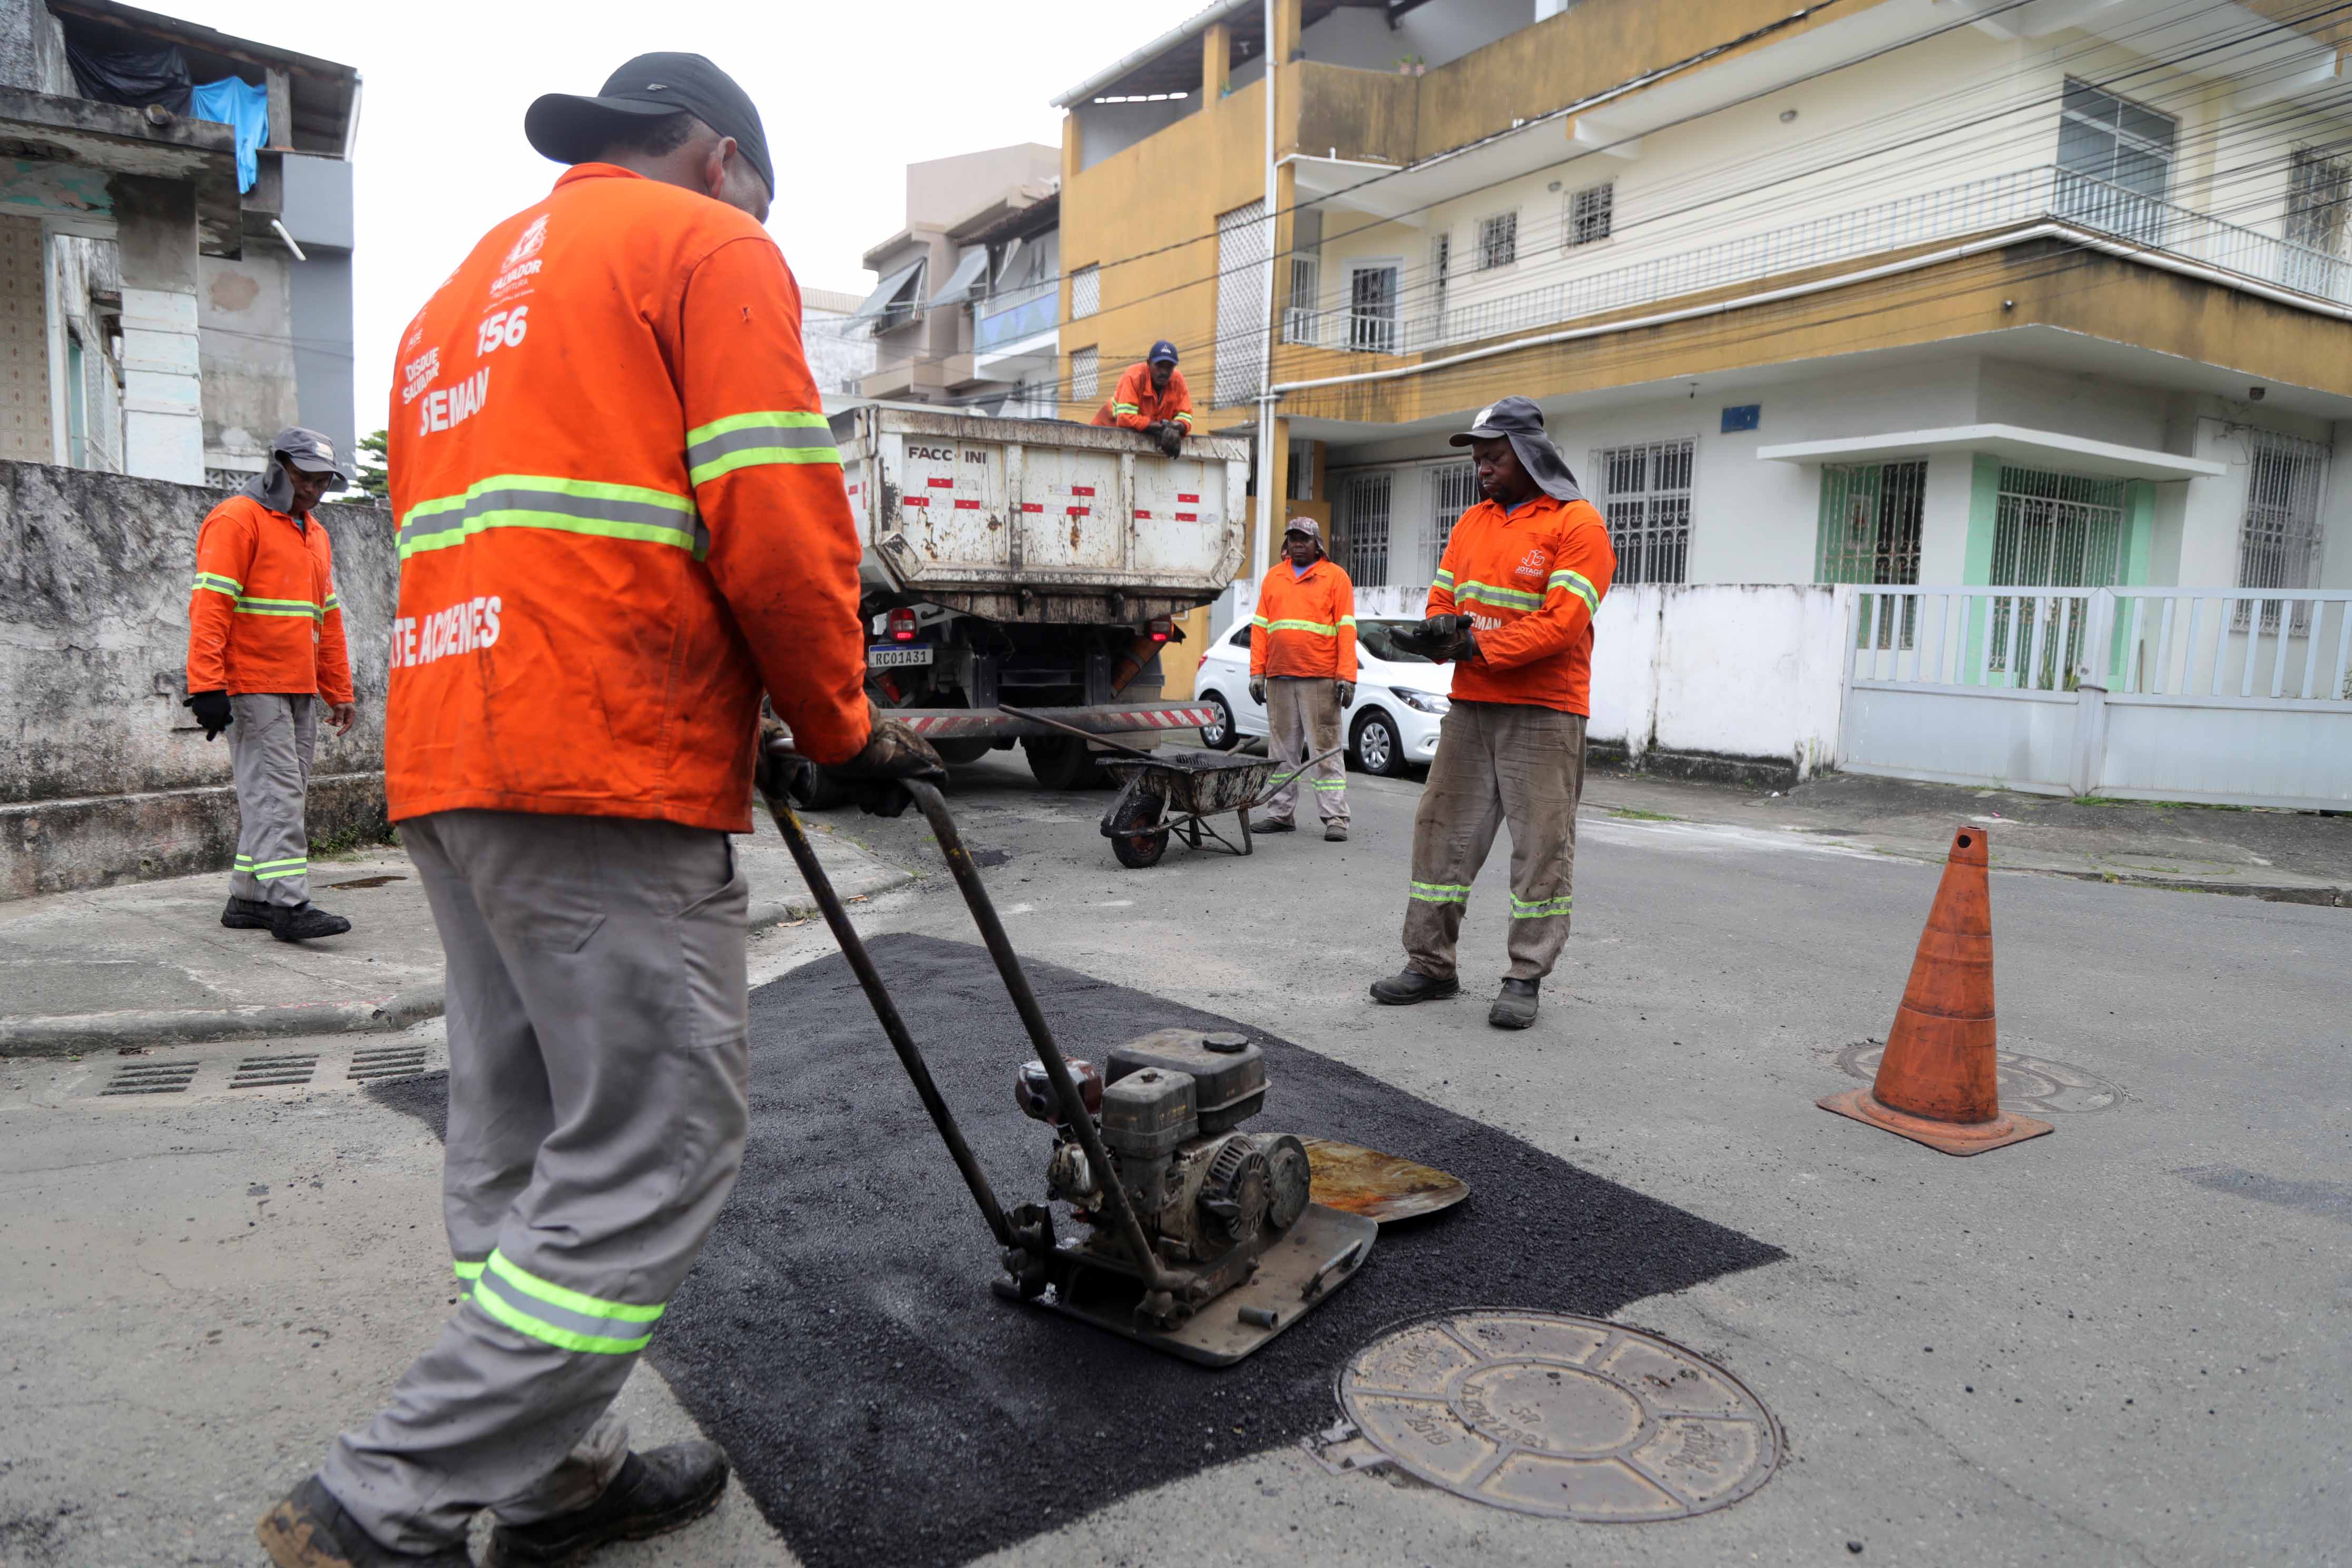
{"x":1379,"y":639}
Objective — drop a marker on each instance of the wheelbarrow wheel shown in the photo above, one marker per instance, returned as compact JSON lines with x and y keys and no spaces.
{"x":1135,"y":837}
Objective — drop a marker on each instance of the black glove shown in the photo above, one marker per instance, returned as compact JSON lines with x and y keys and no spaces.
{"x":1257,"y":689}
{"x":1171,"y":438}
{"x":1346,"y":692}
{"x":875,"y":776}
{"x":212,"y":711}
{"x":1445,"y":638}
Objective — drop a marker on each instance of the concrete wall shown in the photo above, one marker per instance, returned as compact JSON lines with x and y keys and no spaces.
{"x":245,"y":313}
{"x":101,"y":778}
{"x":943,"y":192}
{"x":1720,"y":674}
{"x":1737,"y":681}
{"x":33,"y":49}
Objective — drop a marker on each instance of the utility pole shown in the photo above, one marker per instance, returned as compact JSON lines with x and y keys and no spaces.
{"x":1266,"y":501}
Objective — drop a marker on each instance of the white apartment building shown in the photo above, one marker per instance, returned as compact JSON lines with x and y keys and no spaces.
{"x":1945,"y":293}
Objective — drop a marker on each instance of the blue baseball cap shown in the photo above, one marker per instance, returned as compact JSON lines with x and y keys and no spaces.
{"x":1162,"y":352}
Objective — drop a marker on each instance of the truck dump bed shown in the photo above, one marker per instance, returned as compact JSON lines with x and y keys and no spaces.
{"x":1040,"y":520}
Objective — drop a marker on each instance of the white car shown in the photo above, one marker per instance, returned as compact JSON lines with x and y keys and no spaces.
{"x":1400,"y":698}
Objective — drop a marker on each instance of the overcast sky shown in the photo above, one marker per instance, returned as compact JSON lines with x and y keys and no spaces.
{"x":850,"y":94}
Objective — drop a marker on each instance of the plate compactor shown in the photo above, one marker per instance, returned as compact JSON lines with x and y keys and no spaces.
{"x":1194,"y":1237}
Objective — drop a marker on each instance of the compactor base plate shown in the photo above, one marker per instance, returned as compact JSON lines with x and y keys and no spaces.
{"x":1320,"y":1252}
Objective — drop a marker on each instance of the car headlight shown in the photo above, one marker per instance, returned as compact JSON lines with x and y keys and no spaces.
{"x":1427,"y":701}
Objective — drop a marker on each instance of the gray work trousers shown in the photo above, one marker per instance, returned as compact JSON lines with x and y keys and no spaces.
{"x":598,"y":1062}
{"x":270,"y":742}
{"x":1302,"y":718}
{"x":1496,"y":762}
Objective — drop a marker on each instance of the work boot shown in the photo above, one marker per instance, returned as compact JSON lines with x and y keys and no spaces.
{"x":1514,"y":1005}
{"x":245,"y":914}
{"x":309,"y":1529}
{"x":1273,"y":825}
{"x":656,"y":1492}
{"x":1411,"y":985}
{"x":1335,"y":833}
{"x":302,"y":922}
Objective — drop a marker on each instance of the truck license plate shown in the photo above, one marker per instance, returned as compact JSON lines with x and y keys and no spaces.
{"x":891,"y":657}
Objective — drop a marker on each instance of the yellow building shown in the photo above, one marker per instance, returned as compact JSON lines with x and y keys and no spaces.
{"x":1959,"y":291}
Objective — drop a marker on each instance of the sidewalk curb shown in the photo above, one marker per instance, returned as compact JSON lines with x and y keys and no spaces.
{"x":2315,"y":893}
{"x":78,"y":1033}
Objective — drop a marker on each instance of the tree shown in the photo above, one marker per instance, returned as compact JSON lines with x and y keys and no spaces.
{"x":371,"y":473}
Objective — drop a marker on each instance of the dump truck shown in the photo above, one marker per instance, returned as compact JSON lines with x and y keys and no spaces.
{"x":1035,"y":564}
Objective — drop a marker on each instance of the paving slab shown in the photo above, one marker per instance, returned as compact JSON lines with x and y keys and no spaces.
{"x":148,"y":962}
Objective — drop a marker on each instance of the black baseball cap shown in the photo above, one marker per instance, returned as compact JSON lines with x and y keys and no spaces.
{"x":572,"y":128}
{"x":310,"y":452}
{"x":1162,"y":352}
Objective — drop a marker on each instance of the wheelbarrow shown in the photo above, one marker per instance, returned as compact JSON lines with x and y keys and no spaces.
{"x":1177,"y":790}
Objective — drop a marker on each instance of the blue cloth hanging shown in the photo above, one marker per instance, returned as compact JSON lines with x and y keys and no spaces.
{"x":234,"y":102}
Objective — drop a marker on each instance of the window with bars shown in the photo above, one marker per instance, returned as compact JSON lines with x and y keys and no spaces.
{"x":1364,"y":528}
{"x":1372,"y":289}
{"x":2051,"y":531}
{"x":1453,"y":491}
{"x":1441,"y":273}
{"x":2279,"y":542}
{"x":1646,"y":496}
{"x":1085,"y":375}
{"x":2317,"y":189}
{"x":1498,"y":241}
{"x":2115,"y":162}
{"x":1085,"y":292}
{"x":1591,"y":212}
{"x":1871,"y":518}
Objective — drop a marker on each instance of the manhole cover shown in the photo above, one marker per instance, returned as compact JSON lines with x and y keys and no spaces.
{"x":2055,"y":1089}
{"x":1567,"y":1417}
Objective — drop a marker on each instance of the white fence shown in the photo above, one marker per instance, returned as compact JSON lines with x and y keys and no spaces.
{"x":2222,"y":695}
{"x":2227,"y":696}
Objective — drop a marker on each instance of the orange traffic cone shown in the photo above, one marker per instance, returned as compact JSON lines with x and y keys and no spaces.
{"x":1936,"y":1081}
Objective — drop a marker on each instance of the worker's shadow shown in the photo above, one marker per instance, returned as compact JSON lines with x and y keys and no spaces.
{"x":839,"y":1337}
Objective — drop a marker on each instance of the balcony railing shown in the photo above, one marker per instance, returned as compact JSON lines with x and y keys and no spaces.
{"x":1425,"y":320}
{"x":1017,"y":313}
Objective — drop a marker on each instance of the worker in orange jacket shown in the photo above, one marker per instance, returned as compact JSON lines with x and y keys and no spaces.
{"x":265,"y":650}
{"x":1303,"y":669}
{"x":1152,"y":398}
{"x":620,"y":514}
{"x":1512,"y":606}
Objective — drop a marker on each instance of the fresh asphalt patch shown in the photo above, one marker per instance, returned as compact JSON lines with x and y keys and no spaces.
{"x":838,"y":1336}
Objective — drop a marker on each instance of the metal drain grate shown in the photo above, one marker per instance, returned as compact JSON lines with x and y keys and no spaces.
{"x":387,"y":1061}
{"x":269,"y":1072}
{"x":151,"y":1078}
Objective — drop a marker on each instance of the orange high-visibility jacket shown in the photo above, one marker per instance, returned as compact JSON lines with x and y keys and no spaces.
{"x":1305,"y":624}
{"x":621,"y":514}
{"x":263,"y":614}
{"x":1532,"y":581}
{"x":1135,"y":406}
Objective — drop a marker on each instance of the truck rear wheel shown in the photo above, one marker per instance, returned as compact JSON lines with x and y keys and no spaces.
{"x":1059,"y":761}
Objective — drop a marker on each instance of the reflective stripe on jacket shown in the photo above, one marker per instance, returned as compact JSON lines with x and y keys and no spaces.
{"x":621,"y":514}
{"x":1305,"y":624}
{"x":263,"y":616}
{"x":1135,"y":406}
{"x":1532,"y":580}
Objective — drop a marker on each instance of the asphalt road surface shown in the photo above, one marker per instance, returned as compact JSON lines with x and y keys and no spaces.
{"x":2127,"y":1342}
